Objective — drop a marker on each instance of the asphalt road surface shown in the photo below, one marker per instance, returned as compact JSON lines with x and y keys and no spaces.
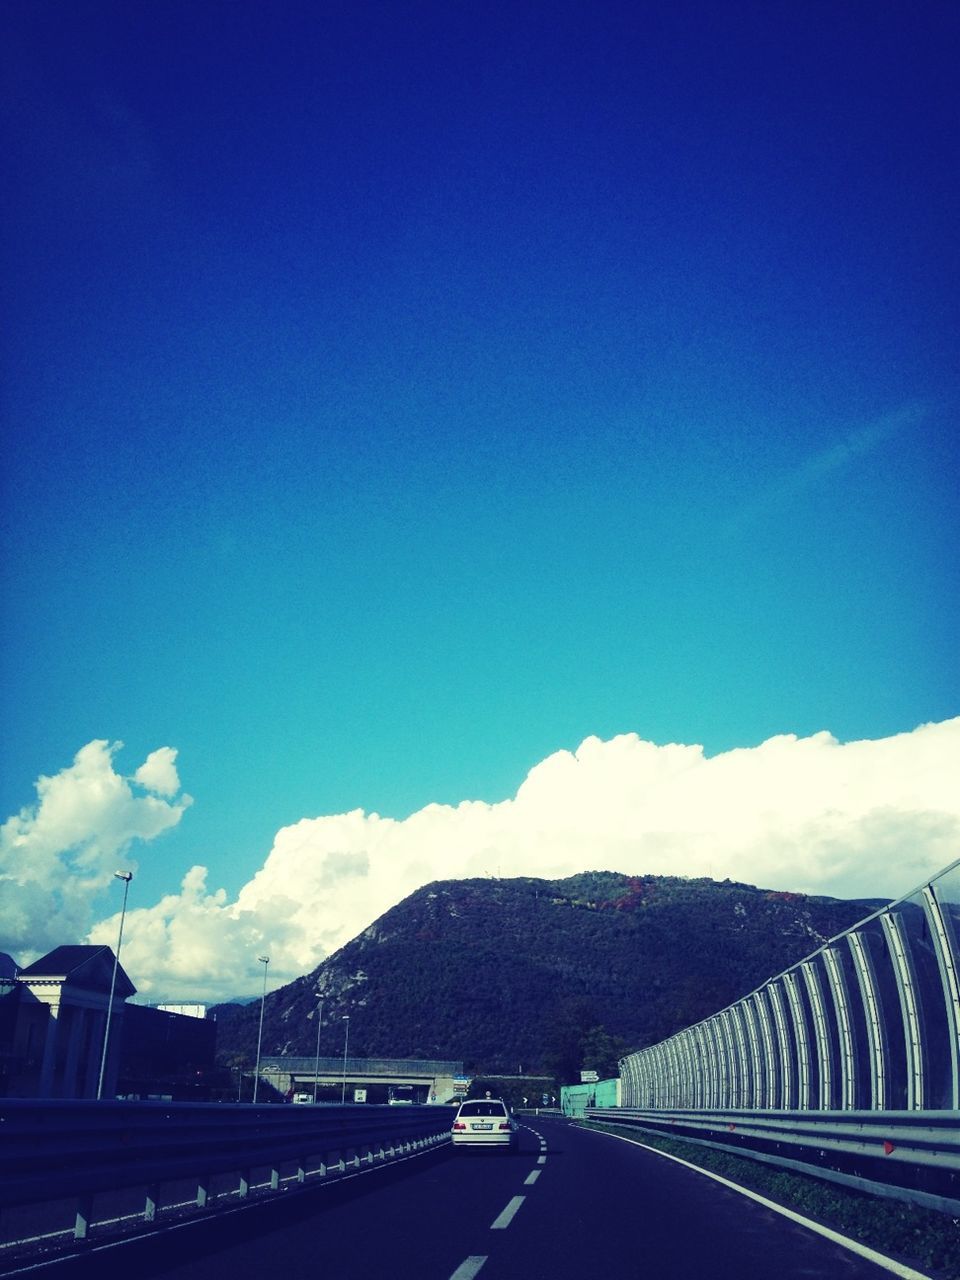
{"x":571,"y":1204}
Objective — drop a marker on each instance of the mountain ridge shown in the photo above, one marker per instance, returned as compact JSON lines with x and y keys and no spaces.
{"x":491,"y":971}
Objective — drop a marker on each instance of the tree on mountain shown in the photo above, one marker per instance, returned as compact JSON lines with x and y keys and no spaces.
{"x":563,"y":1052}
{"x":578,"y":1041}
{"x":601,"y":1052}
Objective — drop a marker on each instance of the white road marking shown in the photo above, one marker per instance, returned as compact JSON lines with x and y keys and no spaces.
{"x":542,"y":1160}
{"x":505,"y":1218}
{"x":888,"y":1264}
{"x":531,"y":1178}
{"x":469,"y":1267}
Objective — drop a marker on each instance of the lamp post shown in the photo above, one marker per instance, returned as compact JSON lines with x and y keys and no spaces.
{"x":316,"y":1073}
{"x":346,"y":1037}
{"x":264,"y":960}
{"x":126,"y":877}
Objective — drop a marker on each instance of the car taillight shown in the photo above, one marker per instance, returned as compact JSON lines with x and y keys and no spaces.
{"x":504,"y":1126}
{"x":459,"y":1125}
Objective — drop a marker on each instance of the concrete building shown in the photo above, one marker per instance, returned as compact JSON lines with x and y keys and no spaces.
{"x":57,"y":1022}
{"x":53,"y":1016}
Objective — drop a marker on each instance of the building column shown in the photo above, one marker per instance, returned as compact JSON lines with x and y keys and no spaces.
{"x":70,"y":1083}
{"x":93,"y":1021}
{"x":48,"y":1061}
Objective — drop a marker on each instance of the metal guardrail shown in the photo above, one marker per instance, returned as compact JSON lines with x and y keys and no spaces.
{"x":54,"y":1150}
{"x":906,"y":1155}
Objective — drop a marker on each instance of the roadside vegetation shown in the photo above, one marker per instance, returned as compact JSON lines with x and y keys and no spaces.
{"x":923,"y":1238}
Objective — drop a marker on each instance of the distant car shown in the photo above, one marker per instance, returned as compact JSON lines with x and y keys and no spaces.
{"x":484,"y":1122}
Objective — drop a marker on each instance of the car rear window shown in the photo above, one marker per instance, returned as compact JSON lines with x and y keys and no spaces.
{"x":483,"y":1109}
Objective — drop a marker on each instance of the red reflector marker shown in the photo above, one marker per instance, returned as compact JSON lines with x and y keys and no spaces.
{"x":888,"y":1147}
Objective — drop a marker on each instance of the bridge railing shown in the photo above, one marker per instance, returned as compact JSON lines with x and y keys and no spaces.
{"x":420,"y":1069}
{"x":869,"y":1022}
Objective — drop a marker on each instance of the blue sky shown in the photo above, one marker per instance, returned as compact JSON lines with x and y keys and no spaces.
{"x":397,"y":394}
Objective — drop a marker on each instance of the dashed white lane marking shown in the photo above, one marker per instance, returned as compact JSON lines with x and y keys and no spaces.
{"x":469,"y":1267}
{"x":505,"y":1218}
{"x":531,"y":1178}
{"x":542,"y":1160}
{"x":888,"y":1264}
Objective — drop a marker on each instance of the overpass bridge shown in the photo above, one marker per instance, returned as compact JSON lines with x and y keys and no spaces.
{"x":375,"y":1080}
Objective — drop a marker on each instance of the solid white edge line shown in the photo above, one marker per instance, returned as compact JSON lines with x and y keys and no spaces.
{"x":503,"y":1220}
{"x":889,"y":1264}
{"x":531,"y":1178}
{"x":469,"y":1267}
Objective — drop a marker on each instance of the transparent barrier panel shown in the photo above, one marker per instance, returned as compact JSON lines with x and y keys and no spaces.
{"x":824,"y":1034}
{"x":756,"y":1092}
{"x":839,"y":988}
{"x":921,"y":941}
{"x":800,"y":1022}
{"x":770,"y":1056}
{"x":888,"y":997}
{"x":943,"y":899}
{"x":786,"y":1046}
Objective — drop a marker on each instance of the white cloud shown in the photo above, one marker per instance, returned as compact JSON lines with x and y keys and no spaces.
{"x":158,"y":772}
{"x":56,"y":856}
{"x":870,"y":819}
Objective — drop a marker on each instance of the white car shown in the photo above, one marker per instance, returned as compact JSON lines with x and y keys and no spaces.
{"x":484,"y":1122}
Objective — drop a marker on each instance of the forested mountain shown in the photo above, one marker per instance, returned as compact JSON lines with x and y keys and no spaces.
{"x":504,"y":973}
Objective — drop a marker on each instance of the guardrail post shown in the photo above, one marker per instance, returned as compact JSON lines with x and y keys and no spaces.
{"x":151,"y":1203}
{"x":301,"y":1169}
{"x":243,"y":1187}
{"x":84,"y":1215}
{"x":274,"y":1179}
{"x":203,"y":1192}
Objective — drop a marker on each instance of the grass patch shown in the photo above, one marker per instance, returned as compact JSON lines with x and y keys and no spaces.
{"x":922,"y":1238}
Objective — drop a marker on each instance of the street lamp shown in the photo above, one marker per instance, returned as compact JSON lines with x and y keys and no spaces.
{"x":126,"y":877}
{"x":264,"y":960}
{"x":316,"y":1073}
{"x":346,"y":1037}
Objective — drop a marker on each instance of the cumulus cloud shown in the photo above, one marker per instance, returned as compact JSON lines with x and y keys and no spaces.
{"x":861,"y":819}
{"x":158,"y":772}
{"x":56,"y":856}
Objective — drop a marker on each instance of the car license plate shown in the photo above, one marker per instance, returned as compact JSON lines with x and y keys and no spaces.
{"x":483,"y":1126}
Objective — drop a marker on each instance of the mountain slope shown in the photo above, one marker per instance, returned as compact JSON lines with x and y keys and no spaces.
{"x":487,"y":970}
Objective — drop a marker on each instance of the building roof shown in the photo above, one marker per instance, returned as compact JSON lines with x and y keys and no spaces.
{"x":61,"y":962}
{"x":79,"y":965}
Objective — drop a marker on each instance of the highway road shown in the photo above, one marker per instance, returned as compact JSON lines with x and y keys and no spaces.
{"x":570,"y":1203}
